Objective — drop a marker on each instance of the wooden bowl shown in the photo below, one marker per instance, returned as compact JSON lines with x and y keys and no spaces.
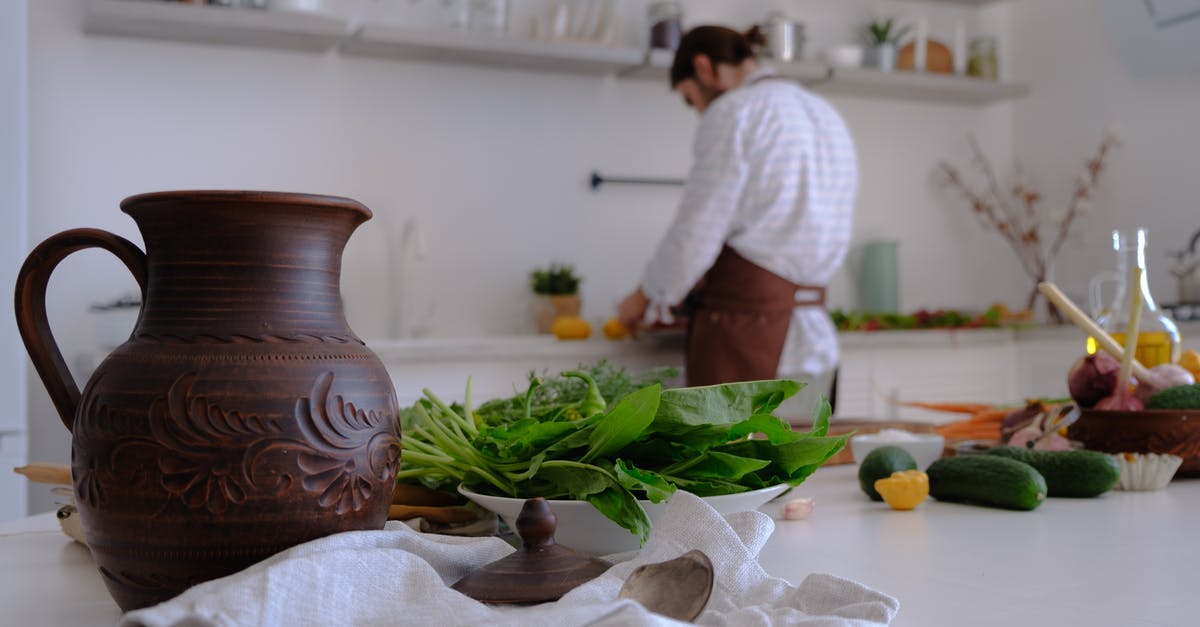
{"x":1173,"y":431}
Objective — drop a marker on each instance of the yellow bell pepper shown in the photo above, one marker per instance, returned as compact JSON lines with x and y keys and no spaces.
{"x":904,"y":490}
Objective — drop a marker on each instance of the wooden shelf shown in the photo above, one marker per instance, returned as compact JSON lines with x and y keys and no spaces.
{"x":866,"y":82}
{"x":489,"y":51}
{"x":969,"y":3}
{"x":315,"y":32}
{"x":920,"y":87}
{"x":214,"y":25}
{"x":658,"y":65}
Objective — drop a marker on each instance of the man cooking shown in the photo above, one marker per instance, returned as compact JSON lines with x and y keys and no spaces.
{"x":765,"y":220}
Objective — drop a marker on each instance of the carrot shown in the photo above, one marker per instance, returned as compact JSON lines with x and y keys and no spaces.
{"x":969,"y":431}
{"x":995,"y":414}
{"x":954,"y":408}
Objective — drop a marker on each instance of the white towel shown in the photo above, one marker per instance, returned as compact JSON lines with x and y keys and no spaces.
{"x":401,"y":577}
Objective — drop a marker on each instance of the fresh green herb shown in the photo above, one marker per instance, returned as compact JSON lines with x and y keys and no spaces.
{"x":884,"y":31}
{"x":646,"y":445}
{"x":552,"y":394}
{"x":556,"y":280}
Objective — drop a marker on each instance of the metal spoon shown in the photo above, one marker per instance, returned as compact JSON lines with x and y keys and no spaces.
{"x":677,"y":588}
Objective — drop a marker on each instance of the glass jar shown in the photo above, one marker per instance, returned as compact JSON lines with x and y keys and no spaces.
{"x":666,"y":24}
{"x":1158,"y":338}
{"x":982,"y":61}
{"x":489,"y":16}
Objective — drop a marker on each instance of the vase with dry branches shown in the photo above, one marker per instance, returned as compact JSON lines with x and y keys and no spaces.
{"x":1019,"y":214}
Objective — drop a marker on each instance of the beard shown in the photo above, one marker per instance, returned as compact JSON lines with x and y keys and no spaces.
{"x":710,"y":94}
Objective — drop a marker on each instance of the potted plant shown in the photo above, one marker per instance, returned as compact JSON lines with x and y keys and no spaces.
{"x":556,"y":293}
{"x":882,"y":36}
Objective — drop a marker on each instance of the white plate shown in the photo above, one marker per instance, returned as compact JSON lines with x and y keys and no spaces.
{"x":583,"y":528}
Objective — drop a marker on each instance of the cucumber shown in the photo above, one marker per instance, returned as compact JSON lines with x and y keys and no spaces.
{"x":1078,"y":474}
{"x":879,"y":464}
{"x":1178,"y":397}
{"x":987,"y":480}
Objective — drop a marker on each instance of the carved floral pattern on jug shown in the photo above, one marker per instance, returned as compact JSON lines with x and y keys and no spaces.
{"x":210,"y":457}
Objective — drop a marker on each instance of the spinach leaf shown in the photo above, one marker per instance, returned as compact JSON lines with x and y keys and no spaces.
{"x":776,"y":430}
{"x":681,"y":409}
{"x":585,"y":482}
{"x":635,"y":479}
{"x":714,"y":464}
{"x":711,"y":487}
{"x":821,"y":415}
{"x":790,"y":462}
{"x":523,"y":439}
{"x":623,"y":424}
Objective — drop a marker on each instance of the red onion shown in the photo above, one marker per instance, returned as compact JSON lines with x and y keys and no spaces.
{"x":1092,"y":378}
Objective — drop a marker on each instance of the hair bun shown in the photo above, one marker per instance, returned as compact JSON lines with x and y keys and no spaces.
{"x":755,"y":36}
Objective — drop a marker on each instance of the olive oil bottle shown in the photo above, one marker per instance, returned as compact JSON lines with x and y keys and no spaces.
{"x":1158,"y":338}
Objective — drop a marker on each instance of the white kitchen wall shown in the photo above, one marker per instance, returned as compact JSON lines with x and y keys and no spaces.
{"x":491,"y":166}
{"x":1080,"y":86}
{"x":14,"y":126}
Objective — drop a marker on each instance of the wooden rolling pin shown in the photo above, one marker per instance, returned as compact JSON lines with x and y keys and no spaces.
{"x":1089,"y":326}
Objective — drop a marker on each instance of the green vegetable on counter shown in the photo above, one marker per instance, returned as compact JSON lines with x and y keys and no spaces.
{"x":1078,"y":474}
{"x":879,"y":464}
{"x":987,"y":480}
{"x":1178,"y":397}
{"x":648,"y":444}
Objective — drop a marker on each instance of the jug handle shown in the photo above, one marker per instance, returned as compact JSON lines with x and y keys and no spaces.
{"x":1096,"y":290}
{"x":31,"y":306}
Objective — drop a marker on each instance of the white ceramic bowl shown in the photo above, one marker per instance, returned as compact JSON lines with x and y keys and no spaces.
{"x":583,"y":528}
{"x":848,"y":55}
{"x":925,"y":448}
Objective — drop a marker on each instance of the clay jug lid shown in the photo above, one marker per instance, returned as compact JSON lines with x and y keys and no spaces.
{"x":539,"y":571}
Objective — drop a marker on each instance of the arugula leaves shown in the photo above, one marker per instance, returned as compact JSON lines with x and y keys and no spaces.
{"x":649,"y":444}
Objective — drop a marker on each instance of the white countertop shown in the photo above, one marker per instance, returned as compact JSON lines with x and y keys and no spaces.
{"x":1124,"y":559}
{"x":597,"y":347}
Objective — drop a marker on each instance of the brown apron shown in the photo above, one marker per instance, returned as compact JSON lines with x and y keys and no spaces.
{"x":740,"y":321}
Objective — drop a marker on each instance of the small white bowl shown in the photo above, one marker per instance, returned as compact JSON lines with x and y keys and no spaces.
{"x":1146,"y":471}
{"x":583,"y":528}
{"x":848,"y":55}
{"x":925,"y":448}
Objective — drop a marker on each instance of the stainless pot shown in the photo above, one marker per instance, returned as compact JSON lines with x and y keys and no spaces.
{"x":785,"y":38}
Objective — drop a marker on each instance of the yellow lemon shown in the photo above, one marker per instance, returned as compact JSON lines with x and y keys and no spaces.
{"x":571,"y":328}
{"x":1190,"y":361}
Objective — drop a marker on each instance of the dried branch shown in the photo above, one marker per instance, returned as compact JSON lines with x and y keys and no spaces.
{"x":1019,"y":216}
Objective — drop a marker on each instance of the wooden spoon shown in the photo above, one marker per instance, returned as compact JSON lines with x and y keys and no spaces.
{"x":677,"y":588}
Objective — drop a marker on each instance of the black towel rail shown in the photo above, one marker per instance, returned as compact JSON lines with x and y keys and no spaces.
{"x":599,"y":179}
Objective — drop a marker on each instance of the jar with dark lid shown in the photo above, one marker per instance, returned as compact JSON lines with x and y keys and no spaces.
{"x":666,"y":24}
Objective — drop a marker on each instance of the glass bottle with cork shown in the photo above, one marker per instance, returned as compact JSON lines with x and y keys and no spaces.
{"x":1158,"y":340}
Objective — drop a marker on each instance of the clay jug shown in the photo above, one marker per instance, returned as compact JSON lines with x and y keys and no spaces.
{"x":242,"y":416}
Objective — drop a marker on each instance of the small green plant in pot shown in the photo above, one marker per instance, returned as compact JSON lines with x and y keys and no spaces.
{"x":556,"y":293}
{"x":883,"y":36}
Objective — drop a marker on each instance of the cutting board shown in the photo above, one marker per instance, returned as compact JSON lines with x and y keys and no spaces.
{"x":938,"y":58}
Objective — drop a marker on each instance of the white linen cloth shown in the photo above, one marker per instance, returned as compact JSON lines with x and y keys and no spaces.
{"x":774,"y":175}
{"x":401,"y":577}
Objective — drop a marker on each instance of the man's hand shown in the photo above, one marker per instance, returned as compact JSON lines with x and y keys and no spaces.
{"x":632,"y":310}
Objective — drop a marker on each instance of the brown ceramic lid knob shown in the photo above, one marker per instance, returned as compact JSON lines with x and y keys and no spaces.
{"x":539,"y":571}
